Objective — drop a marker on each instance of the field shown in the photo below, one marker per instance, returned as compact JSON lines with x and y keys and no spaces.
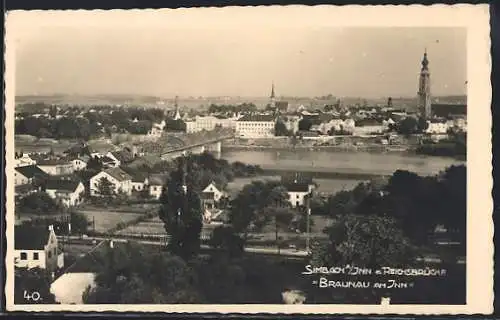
{"x":106,"y":219}
{"x":150,"y":227}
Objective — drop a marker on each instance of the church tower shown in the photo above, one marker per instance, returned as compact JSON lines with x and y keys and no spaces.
{"x":424,"y":89}
{"x":177,"y":115}
{"x":272,"y":98}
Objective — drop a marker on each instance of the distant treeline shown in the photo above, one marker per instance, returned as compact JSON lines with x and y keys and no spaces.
{"x":48,"y":121}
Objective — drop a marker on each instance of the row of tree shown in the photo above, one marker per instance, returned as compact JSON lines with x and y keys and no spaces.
{"x":226,"y":109}
{"x":86,"y":125}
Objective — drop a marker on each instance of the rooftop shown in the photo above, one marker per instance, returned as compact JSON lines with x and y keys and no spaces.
{"x":30,"y":237}
{"x":258,"y":118}
{"x":31,"y":171}
{"x":62,"y":184}
{"x":118,"y":174}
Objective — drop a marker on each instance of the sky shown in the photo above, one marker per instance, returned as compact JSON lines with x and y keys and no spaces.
{"x":166,"y":56}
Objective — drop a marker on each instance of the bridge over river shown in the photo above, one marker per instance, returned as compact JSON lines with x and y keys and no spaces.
{"x":213,"y":145}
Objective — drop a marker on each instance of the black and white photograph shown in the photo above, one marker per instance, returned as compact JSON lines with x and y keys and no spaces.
{"x":211,"y":159}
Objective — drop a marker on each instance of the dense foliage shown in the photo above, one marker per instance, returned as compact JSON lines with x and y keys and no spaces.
{"x":32,"y":286}
{"x":81,"y":122}
{"x":132,"y":274}
{"x":181,"y":211}
{"x":244,"y":107}
{"x":38,"y":203}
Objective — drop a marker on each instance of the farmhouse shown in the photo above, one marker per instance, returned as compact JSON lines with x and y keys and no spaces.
{"x":24,"y":160}
{"x":211,"y":195}
{"x":155,"y":185}
{"x":139,"y":182}
{"x":67,"y":192}
{"x":37,"y":247}
{"x":119,"y":180}
{"x":299,"y":188}
{"x":80,"y":163}
{"x":26,"y":174}
{"x":56,"y":166}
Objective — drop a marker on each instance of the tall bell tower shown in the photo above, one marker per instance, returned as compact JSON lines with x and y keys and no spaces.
{"x":424,"y":89}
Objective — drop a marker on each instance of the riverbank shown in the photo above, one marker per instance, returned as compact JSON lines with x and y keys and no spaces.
{"x":323,"y":174}
{"x":336,"y":148}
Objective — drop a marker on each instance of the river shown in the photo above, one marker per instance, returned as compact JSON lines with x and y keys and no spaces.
{"x":342,"y":162}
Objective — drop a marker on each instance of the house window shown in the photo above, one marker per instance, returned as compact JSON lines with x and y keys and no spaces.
{"x":35,"y":255}
{"x":24,"y":256}
{"x":50,"y":254}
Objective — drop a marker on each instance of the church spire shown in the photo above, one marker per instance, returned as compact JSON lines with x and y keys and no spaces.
{"x":425,"y":62}
{"x":424,"y":89}
{"x":272,"y":91}
{"x":177,"y":113}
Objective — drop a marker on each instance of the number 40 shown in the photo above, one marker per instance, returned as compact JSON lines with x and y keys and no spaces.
{"x":34,"y":296}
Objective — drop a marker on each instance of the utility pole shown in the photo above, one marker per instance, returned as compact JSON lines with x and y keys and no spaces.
{"x":308,"y":212}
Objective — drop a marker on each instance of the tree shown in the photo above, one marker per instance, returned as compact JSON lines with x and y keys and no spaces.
{"x":79,"y":222}
{"x":39,"y":203}
{"x":280,"y":129}
{"x":105,"y":188}
{"x":181,"y":211}
{"x":407,"y":126}
{"x":32,"y":286}
{"x":247,"y":207}
{"x":282,"y":217}
{"x":131,"y":273}
{"x":422,"y":125}
{"x":365,"y":241}
{"x":305,"y":124}
{"x":94,"y":164}
{"x":227,"y":240}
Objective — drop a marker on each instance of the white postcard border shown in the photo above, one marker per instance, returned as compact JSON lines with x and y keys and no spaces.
{"x":479,"y":177}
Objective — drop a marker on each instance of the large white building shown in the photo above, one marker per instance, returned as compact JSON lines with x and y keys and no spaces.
{"x":209,"y":123}
{"x":119,"y":179}
{"x":256,"y":126}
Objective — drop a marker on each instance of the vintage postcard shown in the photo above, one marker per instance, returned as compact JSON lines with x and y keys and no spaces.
{"x":296,"y":159}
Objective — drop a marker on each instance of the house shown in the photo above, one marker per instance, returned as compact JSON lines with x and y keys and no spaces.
{"x":80,"y":163}
{"x":24,"y":190}
{"x":256,"y":126}
{"x":78,"y":150}
{"x":155,"y":185}
{"x":292,"y":122}
{"x":27,"y":174}
{"x":24,"y":160}
{"x":121,"y":157}
{"x":108,"y":162}
{"x":119,"y":180}
{"x":369,"y":127}
{"x":37,"y":247}
{"x":139,"y":182}
{"x":65,"y":191}
{"x":436,"y":126}
{"x":299,"y":189}
{"x":56,"y":166}
{"x":157,"y":130}
{"x":212,"y":194}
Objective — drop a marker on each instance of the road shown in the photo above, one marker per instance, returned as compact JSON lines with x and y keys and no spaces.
{"x":256,"y":250}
